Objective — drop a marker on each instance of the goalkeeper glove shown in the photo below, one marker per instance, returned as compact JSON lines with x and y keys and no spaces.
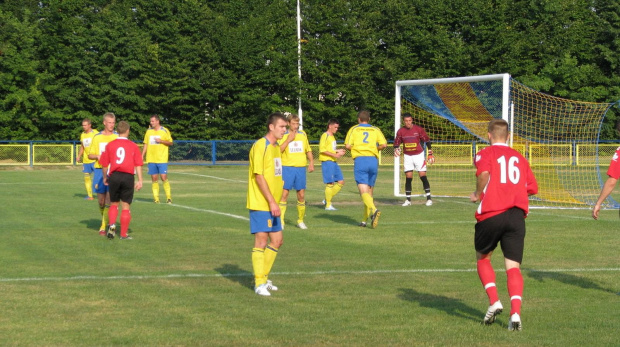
{"x":430,"y":159}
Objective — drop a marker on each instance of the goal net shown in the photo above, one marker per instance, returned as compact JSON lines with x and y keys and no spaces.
{"x":558,"y":136}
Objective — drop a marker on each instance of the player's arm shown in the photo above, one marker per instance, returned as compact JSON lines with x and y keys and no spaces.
{"x":481,"y":182}
{"x":289,"y":137}
{"x":264,"y":189}
{"x":138,"y":184}
{"x":382,"y":142}
{"x":80,"y":153}
{"x":430,"y":158}
{"x":93,"y":146}
{"x":310,"y":161}
{"x":144,"y":148}
{"x":608,"y":187}
{"x":397,"y":142}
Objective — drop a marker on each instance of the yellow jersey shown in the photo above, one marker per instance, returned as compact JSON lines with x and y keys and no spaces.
{"x":327,"y":144}
{"x":98,"y":144}
{"x":265,"y":160}
{"x":295,"y":153}
{"x":157,"y":152}
{"x":364,"y":139}
{"x":86,"y":139}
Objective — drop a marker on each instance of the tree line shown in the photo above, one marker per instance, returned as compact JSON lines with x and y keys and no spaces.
{"x":215,"y":69}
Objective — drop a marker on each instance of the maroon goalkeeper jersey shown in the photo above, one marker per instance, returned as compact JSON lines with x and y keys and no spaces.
{"x":614,"y":165}
{"x":511,"y":180}
{"x":122,"y":155}
{"x":412,"y":139}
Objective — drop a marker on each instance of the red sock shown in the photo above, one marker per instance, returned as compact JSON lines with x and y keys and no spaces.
{"x":125,"y":220}
{"x":112,"y":214}
{"x":515,"y":289}
{"x":487,"y":277}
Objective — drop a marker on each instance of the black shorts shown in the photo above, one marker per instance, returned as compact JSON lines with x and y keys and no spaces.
{"x":507,"y":228}
{"x":121,"y":187}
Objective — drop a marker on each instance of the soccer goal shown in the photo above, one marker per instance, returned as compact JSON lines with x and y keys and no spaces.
{"x":558,"y":136}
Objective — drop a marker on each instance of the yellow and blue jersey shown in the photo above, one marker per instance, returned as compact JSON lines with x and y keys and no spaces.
{"x":295,"y":153}
{"x":86,"y":139}
{"x":265,"y":160}
{"x":327,"y":144}
{"x":364,"y":139}
{"x":157,"y":152}
{"x":100,"y":141}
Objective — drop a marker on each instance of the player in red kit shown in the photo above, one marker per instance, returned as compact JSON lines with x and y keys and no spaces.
{"x":505,"y":180}
{"x":124,"y":159}
{"x":613,"y":174}
{"x":413,"y":137}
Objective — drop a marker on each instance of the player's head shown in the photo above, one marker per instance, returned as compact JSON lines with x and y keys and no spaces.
{"x":408,"y":120}
{"x":87,"y":124}
{"x":498,"y":130}
{"x":293,"y":121}
{"x":109,"y":120}
{"x":363,"y":116}
{"x":123,"y":128}
{"x":155,"y":120}
{"x":333,"y":125}
{"x":276,"y":125}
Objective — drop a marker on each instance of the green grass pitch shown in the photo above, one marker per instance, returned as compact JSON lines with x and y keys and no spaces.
{"x":185,"y":278}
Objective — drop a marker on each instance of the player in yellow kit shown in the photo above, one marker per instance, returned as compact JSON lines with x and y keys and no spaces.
{"x":328,"y":155}
{"x":296,"y":155}
{"x":157,"y":139}
{"x":365,"y":141}
{"x":88,"y":165}
{"x":97,"y":146}
{"x":264,"y":192}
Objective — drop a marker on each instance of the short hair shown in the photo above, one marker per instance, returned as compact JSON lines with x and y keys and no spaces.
{"x":407,"y":115}
{"x":498,"y":128}
{"x":364,"y":116}
{"x":156,"y":116}
{"x":332,"y":121}
{"x":273,"y":119}
{"x":122,"y":127}
{"x":87,"y":120}
{"x":109,"y":115}
{"x":291,"y":117}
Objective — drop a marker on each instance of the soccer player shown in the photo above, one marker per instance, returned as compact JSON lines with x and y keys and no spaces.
{"x":296,"y":155}
{"x":157,"y":139}
{"x":614,"y":173}
{"x":88,"y":165}
{"x":504,"y":182}
{"x":97,"y":147}
{"x":412,"y":137}
{"x":328,"y":155}
{"x":264,"y":192}
{"x":365,"y":141}
{"x":124,"y":159}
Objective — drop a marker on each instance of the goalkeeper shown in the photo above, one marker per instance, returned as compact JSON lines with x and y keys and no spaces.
{"x":412,"y":136}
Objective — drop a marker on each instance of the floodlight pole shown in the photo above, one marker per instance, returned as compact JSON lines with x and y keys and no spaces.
{"x":299,"y":112}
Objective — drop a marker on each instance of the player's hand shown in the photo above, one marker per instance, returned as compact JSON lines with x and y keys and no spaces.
{"x":595,"y":211}
{"x":275,"y":209}
{"x":105,"y":180}
{"x":138,"y":185}
{"x":396,"y":152}
{"x":430,"y":160}
{"x":473,"y":197}
{"x":340,"y":152}
{"x":310,"y":167}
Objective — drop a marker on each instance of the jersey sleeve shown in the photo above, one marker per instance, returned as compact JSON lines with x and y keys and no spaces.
{"x":398,"y":139}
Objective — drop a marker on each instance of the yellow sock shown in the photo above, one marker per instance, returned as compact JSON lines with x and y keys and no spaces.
{"x":258,"y":264}
{"x":329,"y":194}
{"x":104,"y":217}
{"x":155,"y":191}
{"x":88,"y":183}
{"x":282,"y":211}
{"x":166,"y":190}
{"x":270,"y":257}
{"x":301,"y":211}
{"x":369,"y":202}
{"x":336,"y":189}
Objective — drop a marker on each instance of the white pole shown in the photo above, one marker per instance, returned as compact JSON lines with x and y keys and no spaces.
{"x":511,"y":122}
{"x":299,"y":112}
{"x":396,"y":127}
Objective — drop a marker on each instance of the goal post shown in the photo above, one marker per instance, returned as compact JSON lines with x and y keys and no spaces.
{"x":558,"y":136}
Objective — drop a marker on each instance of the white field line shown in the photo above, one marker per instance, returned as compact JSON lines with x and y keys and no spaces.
{"x":300,"y":273}
{"x":211,"y":211}
{"x":214,"y":177}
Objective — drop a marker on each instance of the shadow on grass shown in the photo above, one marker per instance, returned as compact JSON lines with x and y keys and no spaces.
{"x":338,"y":218}
{"x":93,"y":224}
{"x":236,"y":274}
{"x":453,"y":307}
{"x":567,"y":279}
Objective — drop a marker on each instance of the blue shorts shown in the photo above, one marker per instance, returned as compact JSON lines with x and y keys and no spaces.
{"x":294,"y":177}
{"x":365,"y":170}
{"x":331,"y":172}
{"x":158,"y":169}
{"x":98,"y":186}
{"x":88,"y":168}
{"x":264,"y":222}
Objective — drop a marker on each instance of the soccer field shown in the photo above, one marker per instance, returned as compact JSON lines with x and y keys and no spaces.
{"x":186,"y":277}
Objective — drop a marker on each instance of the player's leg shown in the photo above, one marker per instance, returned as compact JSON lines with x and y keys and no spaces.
{"x":288,"y":176}
{"x":301,"y":208}
{"x":420,"y":166}
{"x":87,"y":169}
{"x":153,"y":171}
{"x":408,"y":168}
{"x":103,"y":199}
{"x":282,"y":203}
{"x":271,"y":252}
{"x":163,"y":170}
{"x":126,"y":198}
{"x":261,"y":224}
{"x":512,"y":244}
{"x":485,"y":242}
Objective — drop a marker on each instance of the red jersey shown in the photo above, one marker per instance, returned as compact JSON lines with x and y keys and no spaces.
{"x":122,"y":155}
{"x":511,"y":180}
{"x":614,"y":165}
{"x":412,"y":139}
